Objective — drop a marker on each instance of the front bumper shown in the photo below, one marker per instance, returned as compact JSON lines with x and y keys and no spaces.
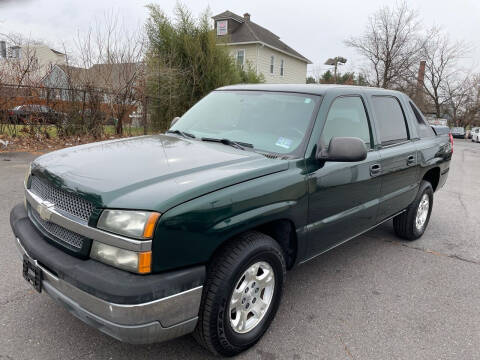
{"x":156,"y":320}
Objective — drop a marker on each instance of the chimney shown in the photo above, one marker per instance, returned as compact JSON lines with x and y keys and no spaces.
{"x":246,"y":16}
{"x":3,"y":49}
{"x":420,"y":84}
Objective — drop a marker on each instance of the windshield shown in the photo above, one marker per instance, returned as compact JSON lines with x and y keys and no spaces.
{"x":271,"y":121}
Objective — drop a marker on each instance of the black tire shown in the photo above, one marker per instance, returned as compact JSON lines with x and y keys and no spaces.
{"x":213,"y":330}
{"x":404,"y":224}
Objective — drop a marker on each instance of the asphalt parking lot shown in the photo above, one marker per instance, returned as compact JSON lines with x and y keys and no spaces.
{"x":375,"y":297}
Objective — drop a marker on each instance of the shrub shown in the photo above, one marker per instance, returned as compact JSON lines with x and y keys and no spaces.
{"x":184,"y":63}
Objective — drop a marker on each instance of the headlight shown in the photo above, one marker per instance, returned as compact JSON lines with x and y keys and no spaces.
{"x":139,"y":262}
{"x":135,"y":224}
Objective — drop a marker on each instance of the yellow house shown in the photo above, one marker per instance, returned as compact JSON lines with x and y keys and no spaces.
{"x":254,"y":46}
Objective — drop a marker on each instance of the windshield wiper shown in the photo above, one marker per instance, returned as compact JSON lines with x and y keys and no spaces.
{"x":181,"y":133}
{"x":236,"y":144}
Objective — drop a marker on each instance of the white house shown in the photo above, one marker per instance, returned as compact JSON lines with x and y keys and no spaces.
{"x":34,"y":59}
{"x":259,"y":48}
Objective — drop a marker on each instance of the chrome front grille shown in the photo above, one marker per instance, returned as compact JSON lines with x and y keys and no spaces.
{"x":63,"y":200}
{"x":66,"y":236}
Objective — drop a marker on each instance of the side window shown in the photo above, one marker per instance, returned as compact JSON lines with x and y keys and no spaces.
{"x":390,"y":120}
{"x":424,"y":129}
{"x":347,"y":118}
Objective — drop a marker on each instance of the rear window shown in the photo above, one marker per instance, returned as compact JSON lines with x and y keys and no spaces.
{"x":424,"y":129}
{"x":390,"y":119}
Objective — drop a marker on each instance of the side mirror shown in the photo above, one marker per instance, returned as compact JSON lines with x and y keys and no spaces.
{"x":344,"y":149}
{"x":175,"y":119}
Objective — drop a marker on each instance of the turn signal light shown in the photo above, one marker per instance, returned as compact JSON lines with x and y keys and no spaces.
{"x":150,"y":225}
{"x":145,"y":262}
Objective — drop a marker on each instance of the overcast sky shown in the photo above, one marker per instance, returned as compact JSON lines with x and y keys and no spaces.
{"x":316,"y":29}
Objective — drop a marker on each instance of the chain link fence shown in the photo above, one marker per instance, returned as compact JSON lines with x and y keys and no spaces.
{"x":47,"y":111}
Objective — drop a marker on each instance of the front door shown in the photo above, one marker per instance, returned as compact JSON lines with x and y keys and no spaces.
{"x":343,"y":197}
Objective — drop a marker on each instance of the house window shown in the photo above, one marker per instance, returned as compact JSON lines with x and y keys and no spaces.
{"x":240,"y":59}
{"x":222,"y":27}
{"x":281,"y":67}
{"x":272,"y":64}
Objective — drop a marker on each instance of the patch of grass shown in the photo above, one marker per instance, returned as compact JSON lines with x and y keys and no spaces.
{"x":51,"y":130}
{"x":26,"y":130}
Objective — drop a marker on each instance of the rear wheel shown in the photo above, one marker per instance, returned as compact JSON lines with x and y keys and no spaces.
{"x":412,"y":223}
{"x":241,"y":295}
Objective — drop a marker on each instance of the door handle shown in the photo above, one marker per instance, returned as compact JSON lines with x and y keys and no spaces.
{"x":375,"y":169}
{"x":411,"y":160}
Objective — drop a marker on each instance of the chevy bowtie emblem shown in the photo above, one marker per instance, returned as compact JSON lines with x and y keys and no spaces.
{"x":44,"y":210}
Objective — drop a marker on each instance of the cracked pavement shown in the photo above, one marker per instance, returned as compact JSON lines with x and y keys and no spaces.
{"x":375,"y":297}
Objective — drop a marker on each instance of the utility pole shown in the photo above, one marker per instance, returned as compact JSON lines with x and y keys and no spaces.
{"x":335,"y":62}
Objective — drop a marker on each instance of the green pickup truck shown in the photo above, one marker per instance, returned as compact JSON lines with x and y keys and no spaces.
{"x":154,"y":237}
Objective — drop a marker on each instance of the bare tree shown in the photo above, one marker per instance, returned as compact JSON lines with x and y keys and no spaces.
{"x":391,"y":44}
{"x":22,"y":68}
{"x":471,"y":112}
{"x":113,"y":56}
{"x":20,"y":75}
{"x":442,"y":73}
{"x":458,"y":92}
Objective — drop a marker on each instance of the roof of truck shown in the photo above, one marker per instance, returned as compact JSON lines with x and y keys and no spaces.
{"x":317,"y":89}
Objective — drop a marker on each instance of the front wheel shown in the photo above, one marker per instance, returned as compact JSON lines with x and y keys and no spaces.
{"x":241,"y":295}
{"x":412,"y":223}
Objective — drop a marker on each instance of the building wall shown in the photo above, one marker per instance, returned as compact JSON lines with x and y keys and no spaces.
{"x":250,"y":53}
{"x":55,"y":78}
{"x":258,"y":56}
{"x":44,"y":55}
{"x":294,"y":70}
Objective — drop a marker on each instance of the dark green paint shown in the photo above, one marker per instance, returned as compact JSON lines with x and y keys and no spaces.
{"x":209,"y":192}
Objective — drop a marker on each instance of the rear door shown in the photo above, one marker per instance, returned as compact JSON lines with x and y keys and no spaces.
{"x":398,"y":155}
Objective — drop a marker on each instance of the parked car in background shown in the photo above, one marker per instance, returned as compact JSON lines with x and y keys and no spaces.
{"x":33,"y":114}
{"x":458,"y":132}
{"x":154,"y":237}
{"x":476,"y":134}
{"x":470,"y":132}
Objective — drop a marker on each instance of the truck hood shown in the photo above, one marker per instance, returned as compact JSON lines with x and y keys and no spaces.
{"x":151,"y":172}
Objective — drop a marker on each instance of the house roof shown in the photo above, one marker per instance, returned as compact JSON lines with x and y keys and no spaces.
{"x":76,"y":75}
{"x":102,"y":75}
{"x":57,"y":52}
{"x":250,"y":32}
{"x":228,"y":15}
